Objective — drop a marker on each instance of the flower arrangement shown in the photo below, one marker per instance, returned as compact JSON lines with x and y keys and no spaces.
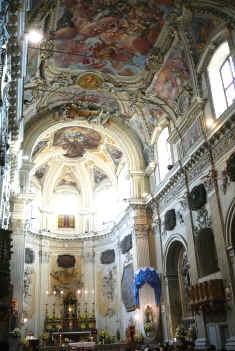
{"x":66,"y":340}
{"x":148,"y":326}
{"x":82,"y":316}
{"x":83,"y":326}
{"x":58,"y":317}
{"x":50,"y":317}
{"x":16,"y":332}
{"x":139,"y":338}
{"x":49,"y":327}
{"x":103,"y":334}
{"x":90,"y":325}
{"x":58,"y":327}
{"x":45,"y":336}
{"x":180,"y":332}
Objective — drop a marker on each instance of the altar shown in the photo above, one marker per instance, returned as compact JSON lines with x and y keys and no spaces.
{"x":82,"y":346}
{"x":73,"y":336}
{"x":71,"y":325}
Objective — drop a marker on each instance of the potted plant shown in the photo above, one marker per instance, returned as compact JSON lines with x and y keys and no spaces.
{"x":138,"y":338}
{"x":45,"y":337}
{"x":180,"y":333}
{"x":16,"y":333}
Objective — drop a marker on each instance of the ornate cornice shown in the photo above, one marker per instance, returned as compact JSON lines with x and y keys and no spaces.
{"x":221,"y":142}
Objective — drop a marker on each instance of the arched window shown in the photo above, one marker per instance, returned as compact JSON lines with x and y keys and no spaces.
{"x":221,"y":71}
{"x":164,"y":158}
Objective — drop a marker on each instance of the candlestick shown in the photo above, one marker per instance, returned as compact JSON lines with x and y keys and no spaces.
{"x":46,"y":312}
{"x":85,"y":303}
{"x":53,"y":311}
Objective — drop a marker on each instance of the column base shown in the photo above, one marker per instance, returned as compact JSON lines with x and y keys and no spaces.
{"x":201,"y":344}
{"x":230,"y":344}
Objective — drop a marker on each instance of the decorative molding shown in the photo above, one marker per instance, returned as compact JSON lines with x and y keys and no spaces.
{"x":221,"y":142}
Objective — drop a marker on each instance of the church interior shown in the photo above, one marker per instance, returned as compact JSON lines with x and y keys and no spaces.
{"x":117,"y":157}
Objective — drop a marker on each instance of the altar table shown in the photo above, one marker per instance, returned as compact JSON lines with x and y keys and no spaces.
{"x":82,"y":345}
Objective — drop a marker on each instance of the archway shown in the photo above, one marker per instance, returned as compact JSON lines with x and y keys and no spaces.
{"x":177,"y":274}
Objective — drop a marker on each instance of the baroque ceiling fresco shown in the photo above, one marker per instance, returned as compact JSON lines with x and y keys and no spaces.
{"x":105,"y":62}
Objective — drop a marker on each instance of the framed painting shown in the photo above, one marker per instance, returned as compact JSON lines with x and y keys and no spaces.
{"x":127,"y":287}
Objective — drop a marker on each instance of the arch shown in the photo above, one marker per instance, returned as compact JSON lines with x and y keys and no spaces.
{"x":120,"y":134}
{"x":176,"y":250}
{"x":175,"y":243}
{"x":230,"y":225}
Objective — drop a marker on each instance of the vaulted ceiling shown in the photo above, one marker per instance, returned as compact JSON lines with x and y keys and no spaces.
{"x":106,"y":62}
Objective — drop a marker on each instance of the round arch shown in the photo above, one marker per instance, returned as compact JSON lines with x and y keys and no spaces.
{"x":230,"y":225}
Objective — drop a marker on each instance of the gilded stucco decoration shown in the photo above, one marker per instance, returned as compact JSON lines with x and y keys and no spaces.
{"x":68,"y":279}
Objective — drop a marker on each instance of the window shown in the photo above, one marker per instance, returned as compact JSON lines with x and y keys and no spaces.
{"x":163,"y":153}
{"x":66,"y":221}
{"x":221,"y":71}
{"x":105,"y":205}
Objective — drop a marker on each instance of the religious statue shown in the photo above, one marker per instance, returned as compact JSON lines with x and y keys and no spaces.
{"x":148,"y":320}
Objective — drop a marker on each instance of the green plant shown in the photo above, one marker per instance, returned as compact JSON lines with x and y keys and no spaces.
{"x":16,"y":332}
{"x":58,"y":327}
{"x":148,"y":326}
{"x":180,"y":332}
{"x":45,"y":336}
{"x":139,"y":338}
{"x":49,"y":327}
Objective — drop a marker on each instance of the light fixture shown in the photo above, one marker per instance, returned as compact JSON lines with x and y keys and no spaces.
{"x":86,"y":292}
{"x":209,"y":122}
{"x":47,"y":292}
{"x":25,"y":320}
{"x":137,"y":316}
{"x":79,"y":291}
{"x":34,"y":37}
{"x":61,"y":292}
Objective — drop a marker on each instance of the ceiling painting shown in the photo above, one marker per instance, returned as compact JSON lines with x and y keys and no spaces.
{"x":67,"y":179}
{"x":114,"y":153}
{"x":99,"y":175}
{"x":75,"y":141}
{"x":40,"y":172}
{"x":173,"y":77}
{"x":40,"y":147}
{"x":202,"y":29}
{"x":152,"y":115}
{"x":90,"y":81}
{"x":113,"y":36}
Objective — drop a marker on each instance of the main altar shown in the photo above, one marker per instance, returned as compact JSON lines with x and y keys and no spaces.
{"x":71,"y":325}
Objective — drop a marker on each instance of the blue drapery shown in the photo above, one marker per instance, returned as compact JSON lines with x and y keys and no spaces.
{"x":150,"y":276}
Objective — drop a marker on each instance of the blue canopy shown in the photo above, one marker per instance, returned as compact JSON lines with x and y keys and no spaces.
{"x":147,"y":275}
